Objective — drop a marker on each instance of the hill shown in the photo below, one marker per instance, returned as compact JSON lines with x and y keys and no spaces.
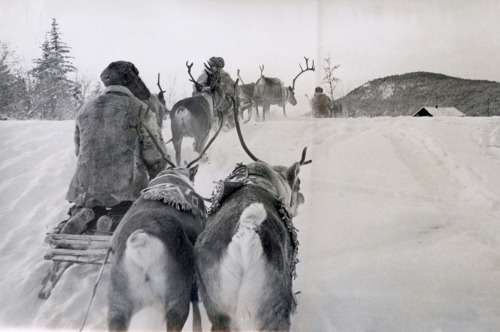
{"x":405,"y":94}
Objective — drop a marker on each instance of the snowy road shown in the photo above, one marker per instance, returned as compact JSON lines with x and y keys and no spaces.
{"x":400,"y":230}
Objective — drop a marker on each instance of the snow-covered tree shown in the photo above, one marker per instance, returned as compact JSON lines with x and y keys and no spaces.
{"x":54,"y":93}
{"x":13,"y":95}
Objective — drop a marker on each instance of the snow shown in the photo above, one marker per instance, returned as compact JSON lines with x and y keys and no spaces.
{"x":400,"y":230}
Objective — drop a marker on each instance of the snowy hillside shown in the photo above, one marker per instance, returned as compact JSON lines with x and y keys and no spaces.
{"x":400,"y":230}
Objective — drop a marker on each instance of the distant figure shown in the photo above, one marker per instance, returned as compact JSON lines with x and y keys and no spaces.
{"x":227,"y":85}
{"x":118,"y":147}
{"x":321,"y":104}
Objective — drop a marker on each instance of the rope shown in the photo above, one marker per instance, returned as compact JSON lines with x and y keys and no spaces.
{"x":95,"y":288}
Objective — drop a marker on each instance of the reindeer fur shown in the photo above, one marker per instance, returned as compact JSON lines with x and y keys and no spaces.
{"x":158,"y":107}
{"x":153,"y":263}
{"x":244,"y":255}
{"x":191,"y":117}
{"x":244,"y":98}
{"x":271,"y":91}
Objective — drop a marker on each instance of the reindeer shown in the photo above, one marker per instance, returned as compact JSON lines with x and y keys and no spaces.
{"x":244,"y":97}
{"x":227,"y":86}
{"x":158,"y":105}
{"x":193,"y":116}
{"x":153,"y":258}
{"x":271,"y":91}
{"x":245,"y":257}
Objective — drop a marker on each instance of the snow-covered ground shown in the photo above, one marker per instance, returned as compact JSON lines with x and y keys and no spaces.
{"x":400,"y":230}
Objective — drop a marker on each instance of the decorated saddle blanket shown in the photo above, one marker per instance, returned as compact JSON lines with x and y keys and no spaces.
{"x":239,"y":178}
{"x":172,"y":189}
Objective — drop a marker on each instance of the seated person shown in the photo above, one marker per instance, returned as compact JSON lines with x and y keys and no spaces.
{"x":118,"y":146}
{"x":320,"y":104}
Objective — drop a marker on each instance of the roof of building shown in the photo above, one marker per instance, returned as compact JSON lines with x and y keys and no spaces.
{"x":440,"y":111}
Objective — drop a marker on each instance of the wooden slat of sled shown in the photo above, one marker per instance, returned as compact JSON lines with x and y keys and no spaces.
{"x":82,"y":249}
{"x":79,"y":242}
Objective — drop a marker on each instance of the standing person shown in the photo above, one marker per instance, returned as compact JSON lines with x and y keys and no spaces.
{"x":321,"y":104}
{"x":117,"y":141}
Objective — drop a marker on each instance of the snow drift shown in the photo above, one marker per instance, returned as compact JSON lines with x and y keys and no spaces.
{"x":400,"y":230}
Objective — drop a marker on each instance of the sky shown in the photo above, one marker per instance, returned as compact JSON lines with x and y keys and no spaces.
{"x":368,"y":39}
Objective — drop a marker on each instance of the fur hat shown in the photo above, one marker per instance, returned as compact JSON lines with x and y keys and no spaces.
{"x":217,"y":62}
{"x":318,"y":90}
{"x":116,"y":71}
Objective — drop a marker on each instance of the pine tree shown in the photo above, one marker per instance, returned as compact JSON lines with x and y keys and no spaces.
{"x":53,"y":91}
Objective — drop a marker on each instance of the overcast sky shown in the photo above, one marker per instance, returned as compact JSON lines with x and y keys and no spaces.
{"x":368,"y":38}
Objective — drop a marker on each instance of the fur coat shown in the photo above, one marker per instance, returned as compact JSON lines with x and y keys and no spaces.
{"x":116,"y":154}
{"x":321,"y":105}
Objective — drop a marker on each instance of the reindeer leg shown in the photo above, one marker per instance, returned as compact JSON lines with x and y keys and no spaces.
{"x":249,"y":111}
{"x":120,"y":307}
{"x":177,"y":312}
{"x":265,"y":110}
{"x":284,"y":109}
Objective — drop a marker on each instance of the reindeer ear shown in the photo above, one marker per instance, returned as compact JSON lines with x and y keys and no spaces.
{"x":293,"y":172}
{"x":192,"y":172}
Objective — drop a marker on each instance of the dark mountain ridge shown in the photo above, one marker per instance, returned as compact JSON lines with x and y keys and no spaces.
{"x":405,"y":94}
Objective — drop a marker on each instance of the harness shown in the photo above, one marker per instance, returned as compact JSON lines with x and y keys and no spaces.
{"x":177,"y":192}
{"x":240,"y":178}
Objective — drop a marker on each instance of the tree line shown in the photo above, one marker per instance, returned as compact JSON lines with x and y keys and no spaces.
{"x":51,"y":90}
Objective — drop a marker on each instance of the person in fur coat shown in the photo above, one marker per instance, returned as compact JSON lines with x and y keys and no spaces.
{"x":321,"y":104}
{"x":118,"y":142}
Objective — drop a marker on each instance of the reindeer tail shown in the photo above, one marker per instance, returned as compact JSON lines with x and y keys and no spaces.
{"x":245,"y":266}
{"x":145,"y":259}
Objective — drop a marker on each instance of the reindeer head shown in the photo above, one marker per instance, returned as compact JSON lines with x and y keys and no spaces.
{"x":187,"y":173}
{"x":290,"y":96}
{"x":126,"y":74}
{"x":291,"y":90}
{"x":213,"y":79}
{"x":285,"y":180}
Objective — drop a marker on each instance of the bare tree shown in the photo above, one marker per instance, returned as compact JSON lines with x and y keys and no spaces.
{"x":170,"y":95}
{"x":82,"y":89}
{"x":329,"y":79}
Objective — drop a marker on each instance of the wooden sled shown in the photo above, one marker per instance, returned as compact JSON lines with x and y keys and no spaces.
{"x":67,"y":249}
{"x":82,"y":249}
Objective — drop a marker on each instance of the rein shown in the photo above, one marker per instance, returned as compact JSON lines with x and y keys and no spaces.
{"x":95,"y":287}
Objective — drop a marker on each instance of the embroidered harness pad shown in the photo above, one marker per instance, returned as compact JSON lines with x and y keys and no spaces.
{"x":173,"y":190}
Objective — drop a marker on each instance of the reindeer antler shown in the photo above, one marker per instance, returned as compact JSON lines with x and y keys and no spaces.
{"x":303,"y":70}
{"x":303,"y":158}
{"x":239,"y":77}
{"x":199,"y":87}
{"x":261,"y":70}
{"x":159,"y":86}
{"x":160,"y":95}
